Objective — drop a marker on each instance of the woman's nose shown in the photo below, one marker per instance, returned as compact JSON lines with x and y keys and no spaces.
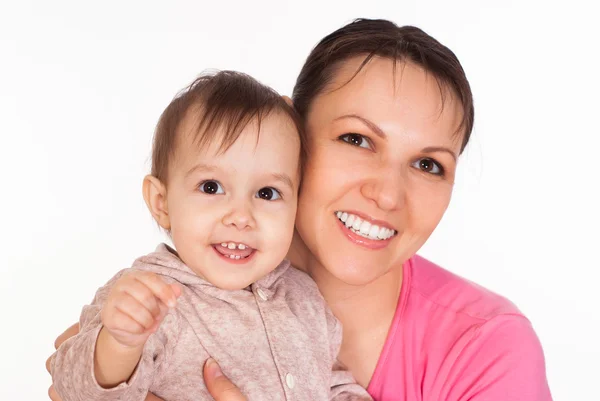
{"x":387,"y":189}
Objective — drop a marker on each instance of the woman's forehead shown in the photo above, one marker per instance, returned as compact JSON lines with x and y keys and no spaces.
{"x":382,"y":79}
{"x":396,"y":96}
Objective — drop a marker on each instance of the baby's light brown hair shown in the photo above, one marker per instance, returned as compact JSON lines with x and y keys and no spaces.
{"x":226,"y":102}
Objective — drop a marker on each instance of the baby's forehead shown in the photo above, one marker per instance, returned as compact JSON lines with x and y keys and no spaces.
{"x":269,"y":133}
{"x":196,"y":134}
{"x":257,"y":154}
{"x":218,"y":132}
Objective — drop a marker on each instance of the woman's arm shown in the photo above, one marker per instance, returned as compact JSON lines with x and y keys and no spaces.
{"x":219,"y":386}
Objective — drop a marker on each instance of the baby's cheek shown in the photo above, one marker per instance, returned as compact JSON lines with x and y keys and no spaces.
{"x":278,"y":231}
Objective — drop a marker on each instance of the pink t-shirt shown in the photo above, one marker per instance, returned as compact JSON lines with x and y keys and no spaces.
{"x":452,"y":340}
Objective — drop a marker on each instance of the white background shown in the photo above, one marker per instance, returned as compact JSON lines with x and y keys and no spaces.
{"x":82,"y":85}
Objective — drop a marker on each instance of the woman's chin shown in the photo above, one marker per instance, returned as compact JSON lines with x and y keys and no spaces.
{"x":353,"y":270}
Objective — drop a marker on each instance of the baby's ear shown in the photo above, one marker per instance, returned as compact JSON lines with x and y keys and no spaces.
{"x":288,"y":100}
{"x":155,"y":195}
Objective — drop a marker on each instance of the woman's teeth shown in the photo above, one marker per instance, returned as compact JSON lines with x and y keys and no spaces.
{"x":364,"y":228}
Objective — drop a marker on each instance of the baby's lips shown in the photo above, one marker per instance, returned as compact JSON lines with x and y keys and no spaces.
{"x":243,"y":253}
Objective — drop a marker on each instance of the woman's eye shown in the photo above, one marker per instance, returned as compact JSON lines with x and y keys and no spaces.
{"x":268,"y":193}
{"x":356,"y":140}
{"x":429,"y":166}
{"x":211,"y":188}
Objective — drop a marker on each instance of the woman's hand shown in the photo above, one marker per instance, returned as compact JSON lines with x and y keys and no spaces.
{"x":219,"y":386}
{"x":70,"y":332}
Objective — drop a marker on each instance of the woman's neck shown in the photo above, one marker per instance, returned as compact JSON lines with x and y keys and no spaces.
{"x":366,"y":313}
{"x":359,"y":307}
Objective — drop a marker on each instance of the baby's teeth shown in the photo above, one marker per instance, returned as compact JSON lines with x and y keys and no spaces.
{"x":365,"y":227}
{"x":224,"y":244}
{"x":357,"y":223}
{"x":231,"y":245}
{"x":241,"y":246}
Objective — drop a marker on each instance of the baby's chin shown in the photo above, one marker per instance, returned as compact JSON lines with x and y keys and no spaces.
{"x":221,"y":281}
{"x":231,"y":285}
{"x":235,"y":274}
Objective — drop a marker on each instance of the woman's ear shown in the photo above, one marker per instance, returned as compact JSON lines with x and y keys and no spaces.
{"x":155,"y":195}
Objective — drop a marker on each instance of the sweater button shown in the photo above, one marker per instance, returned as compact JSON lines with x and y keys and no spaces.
{"x":262,"y":294}
{"x":290,"y":380}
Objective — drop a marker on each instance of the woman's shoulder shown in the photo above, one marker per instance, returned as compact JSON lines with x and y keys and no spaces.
{"x":474,"y":343}
{"x":433,"y":284}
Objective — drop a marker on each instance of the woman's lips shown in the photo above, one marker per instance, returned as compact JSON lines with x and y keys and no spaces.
{"x":365,"y":226}
{"x":368,"y":243}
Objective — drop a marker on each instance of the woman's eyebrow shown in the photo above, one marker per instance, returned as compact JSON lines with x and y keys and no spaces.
{"x":433,"y":149}
{"x":372,"y":126}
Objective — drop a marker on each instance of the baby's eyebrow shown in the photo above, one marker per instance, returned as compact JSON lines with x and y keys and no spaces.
{"x":285,"y":179}
{"x":201,"y":167}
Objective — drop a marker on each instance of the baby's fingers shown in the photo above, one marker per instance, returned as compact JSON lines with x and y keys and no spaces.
{"x":168,"y":294}
{"x":120,"y":321}
{"x":143,"y":294}
{"x":135,"y":310}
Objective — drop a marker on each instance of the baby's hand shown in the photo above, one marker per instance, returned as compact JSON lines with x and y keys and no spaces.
{"x":136,"y":305}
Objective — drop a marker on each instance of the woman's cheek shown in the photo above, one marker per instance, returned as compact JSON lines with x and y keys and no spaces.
{"x":429,"y":201}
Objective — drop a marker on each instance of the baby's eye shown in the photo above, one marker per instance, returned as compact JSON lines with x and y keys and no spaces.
{"x":268,"y":193}
{"x":211,"y":187}
{"x":429,"y":166}
{"x":357,"y":140}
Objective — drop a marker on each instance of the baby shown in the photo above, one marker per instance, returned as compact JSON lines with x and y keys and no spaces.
{"x":226,"y":168}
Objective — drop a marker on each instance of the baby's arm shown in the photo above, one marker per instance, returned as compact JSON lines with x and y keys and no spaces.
{"x":72,"y":366}
{"x":135,"y":307}
{"x":343,"y":385}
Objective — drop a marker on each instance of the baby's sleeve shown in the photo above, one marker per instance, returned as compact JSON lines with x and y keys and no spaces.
{"x":72,"y":365}
{"x":343,"y":385}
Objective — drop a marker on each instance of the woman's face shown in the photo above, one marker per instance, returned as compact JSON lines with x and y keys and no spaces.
{"x":383,"y":152}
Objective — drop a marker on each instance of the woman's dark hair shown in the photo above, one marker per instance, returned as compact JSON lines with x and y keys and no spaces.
{"x":370,"y":38}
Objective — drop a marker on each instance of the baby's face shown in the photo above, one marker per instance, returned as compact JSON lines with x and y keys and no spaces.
{"x":232,"y":214}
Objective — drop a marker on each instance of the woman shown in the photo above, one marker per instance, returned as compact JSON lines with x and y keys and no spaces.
{"x":388,"y":110}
